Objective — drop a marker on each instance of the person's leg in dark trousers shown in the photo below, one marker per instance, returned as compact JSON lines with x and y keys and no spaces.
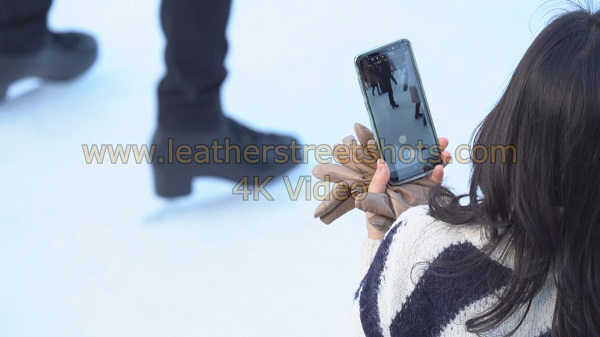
{"x":29,"y":49}
{"x":391,"y":98}
{"x":189,"y":93}
{"x":387,"y":84}
{"x":22,"y":25}
{"x":189,"y":104}
{"x":418,"y":113}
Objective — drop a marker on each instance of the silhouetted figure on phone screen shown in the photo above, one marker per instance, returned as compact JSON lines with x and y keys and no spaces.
{"x":386,"y":79}
{"x":416,"y":99}
{"x":371,"y":74}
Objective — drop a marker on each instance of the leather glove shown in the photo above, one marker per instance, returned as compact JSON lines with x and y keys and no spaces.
{"x":352,"y":177}
{"x":387,"y":207}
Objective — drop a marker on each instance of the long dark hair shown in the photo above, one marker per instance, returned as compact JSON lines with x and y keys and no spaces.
{"x":546,"y":204}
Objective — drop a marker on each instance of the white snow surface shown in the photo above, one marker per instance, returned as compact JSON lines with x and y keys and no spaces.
{"x":89,"y":250}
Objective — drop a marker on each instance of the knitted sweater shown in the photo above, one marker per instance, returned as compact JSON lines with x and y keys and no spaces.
{"x":398,"y":298}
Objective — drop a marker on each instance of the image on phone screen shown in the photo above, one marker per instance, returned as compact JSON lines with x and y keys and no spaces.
{"x":398,"y":111}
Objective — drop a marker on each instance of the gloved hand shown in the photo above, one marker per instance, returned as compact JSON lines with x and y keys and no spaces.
{"x":385,"y":203}
{"x":352,"y":177}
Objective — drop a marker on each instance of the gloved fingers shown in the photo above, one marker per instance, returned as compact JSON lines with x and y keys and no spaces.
{"x":340,"y":200}
{"x":367,"y":148}
{"x":398,"y":203}
{"x":363,"y":133}
{"x":336,"y":173}
{"x":360,"y":157}
{"x":343,"y":153}
{"x":330,"y":210}
{"x":413,"y":194}
{"x":373,"y":143}
{"x":366,"y":157}
{"x":376,"y":203}
{"x":359,"y":160}
{"x":425,"y":181}
{"x":339,"y":193}
{"x":349,"y":141}
{"x":380,"y":222}
{"x":367,"y":170}
{"x":346,"y":153}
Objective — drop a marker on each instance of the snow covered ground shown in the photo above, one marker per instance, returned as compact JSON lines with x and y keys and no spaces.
{"x":89,"y":250}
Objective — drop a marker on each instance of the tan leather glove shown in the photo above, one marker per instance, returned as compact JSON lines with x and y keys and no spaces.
{"x":352,"y":177}
{"x":387,"y":207}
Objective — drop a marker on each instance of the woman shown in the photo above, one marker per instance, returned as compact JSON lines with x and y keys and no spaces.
{"x":522,"y":254}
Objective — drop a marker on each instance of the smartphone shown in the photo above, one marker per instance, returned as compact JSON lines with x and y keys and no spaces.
{"x":398,"y":111}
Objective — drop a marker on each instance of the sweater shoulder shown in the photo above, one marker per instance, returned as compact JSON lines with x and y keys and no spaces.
{"x":417,"y":226}
{"x":401,"y":295}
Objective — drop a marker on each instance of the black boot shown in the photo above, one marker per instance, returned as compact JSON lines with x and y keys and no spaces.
{"x":62,"y":57}
{"x":418,"y":113}
{"x":231,"y":151}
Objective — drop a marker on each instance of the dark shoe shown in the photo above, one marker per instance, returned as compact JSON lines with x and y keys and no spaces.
{"x":394,"y":106}
{"x":419,"y":115}
{"x":231,"y":151}
{"x":405,"y":87}
{"x":62,"y":57}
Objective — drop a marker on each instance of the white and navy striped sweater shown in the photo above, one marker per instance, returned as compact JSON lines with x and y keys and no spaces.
{"x":396,"y":300}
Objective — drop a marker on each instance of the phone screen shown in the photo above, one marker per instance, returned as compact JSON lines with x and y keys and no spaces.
{"x":398,"y":110}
